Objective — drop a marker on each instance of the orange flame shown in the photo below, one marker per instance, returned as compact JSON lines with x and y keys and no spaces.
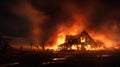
{"x":82,"y":39}
{"x":74,"y":47}
{"x":61,"y":38}
{"x":76,"y":28}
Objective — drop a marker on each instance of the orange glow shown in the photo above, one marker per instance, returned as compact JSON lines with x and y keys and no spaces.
{"x":61,"y":38}
{"x":107,"y":42}
{"x":88,"y":47}
{"x":73,"y":29}
{"x":74,"y":47}
{"x":72,"y":24}
{"x":78,"y":25}
{"x":83,"y":40}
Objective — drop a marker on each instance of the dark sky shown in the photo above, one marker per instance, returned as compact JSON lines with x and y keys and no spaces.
{"x":16,"y":16}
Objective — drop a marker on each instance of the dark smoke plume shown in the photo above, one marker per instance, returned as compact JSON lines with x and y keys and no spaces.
{"x":98,"y":16}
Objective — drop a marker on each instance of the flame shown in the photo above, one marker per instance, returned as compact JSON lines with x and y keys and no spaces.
{"x":61,"y":38}
{"x":74,"y":47}
{"x":73,"y":29}
{"x":62,"y":35}
{"x":107,"y":42}
{"x":82,"y":39}
{"x":77,"y":27}
{"x":88,"y":47}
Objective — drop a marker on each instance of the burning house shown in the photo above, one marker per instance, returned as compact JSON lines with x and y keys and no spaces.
{"x":81,"y":41}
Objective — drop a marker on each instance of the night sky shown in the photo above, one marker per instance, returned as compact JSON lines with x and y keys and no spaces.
{"x":17,"y":16}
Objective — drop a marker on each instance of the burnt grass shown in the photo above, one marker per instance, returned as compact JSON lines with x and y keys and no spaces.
{"x":72,"y":59}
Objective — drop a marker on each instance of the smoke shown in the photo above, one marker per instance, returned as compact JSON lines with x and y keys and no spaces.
{"x":71,"y":17}
{"x":35,"y":19}
{"x":105,"y":21}
{"x":49,"y":18}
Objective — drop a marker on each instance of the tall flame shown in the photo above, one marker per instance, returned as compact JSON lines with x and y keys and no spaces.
{"x":77,"y":26}
{"x":61,"y":38}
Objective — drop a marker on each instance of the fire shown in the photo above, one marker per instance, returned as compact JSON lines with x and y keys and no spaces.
{"x":74,"y":47}
{"x":75,"y":29}
{"x":88,"y":47}
{"x":72,"y":29}
{"x":82,"y":39}
{"x":61,"y":38}
{"x":107,"y":42}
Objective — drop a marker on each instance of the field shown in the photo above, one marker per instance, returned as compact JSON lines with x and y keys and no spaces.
{"x":61,"y":59}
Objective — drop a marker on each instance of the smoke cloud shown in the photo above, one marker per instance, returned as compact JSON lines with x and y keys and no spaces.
{"x":46,"y":19}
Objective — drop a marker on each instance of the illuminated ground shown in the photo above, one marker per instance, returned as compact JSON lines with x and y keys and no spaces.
{"x":61,"y":59}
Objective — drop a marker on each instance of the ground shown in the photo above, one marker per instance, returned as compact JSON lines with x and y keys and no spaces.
{"x":61,"y":59}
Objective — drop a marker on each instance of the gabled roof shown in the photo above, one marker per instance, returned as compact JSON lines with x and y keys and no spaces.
{"x":87,"y":36}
